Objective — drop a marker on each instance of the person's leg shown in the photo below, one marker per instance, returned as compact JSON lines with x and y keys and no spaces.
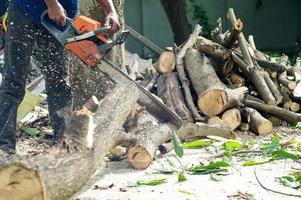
{"x":51,"y":56}
{"x":19,"y":42}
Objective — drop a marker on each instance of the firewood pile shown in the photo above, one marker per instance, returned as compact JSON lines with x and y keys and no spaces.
{"x":227,"y":81}
{"x":215,"y":86}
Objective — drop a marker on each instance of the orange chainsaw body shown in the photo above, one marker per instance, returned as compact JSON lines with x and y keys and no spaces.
{"x":87,"y":50}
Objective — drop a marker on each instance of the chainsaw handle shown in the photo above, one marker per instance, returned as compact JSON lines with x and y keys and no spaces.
{"x":104,"y":29}
{"x":61,"y":36}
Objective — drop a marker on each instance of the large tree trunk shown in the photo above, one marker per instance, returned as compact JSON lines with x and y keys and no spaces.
{"x":176,"y":13}
{"x":59,"y":173}
{"x":213,"y":96}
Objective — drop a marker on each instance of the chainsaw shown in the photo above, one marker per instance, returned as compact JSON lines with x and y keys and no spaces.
{"x":88,"y":40}
{"x":85,"y":38}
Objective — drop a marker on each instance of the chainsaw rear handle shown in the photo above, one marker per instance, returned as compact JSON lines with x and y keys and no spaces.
{"x":61,"y":36}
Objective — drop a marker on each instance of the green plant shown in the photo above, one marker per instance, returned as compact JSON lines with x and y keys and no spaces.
{"x":199,"y":14}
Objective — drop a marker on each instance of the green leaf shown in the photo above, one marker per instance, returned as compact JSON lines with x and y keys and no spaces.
{"x":289,"y":182}
{"x":197,"y":144}
{"x":272,"y":146}
{"x":211,"y":168}
{"x":33,"y":132}
{"x":282,"y":154}
{"x":182,"y":177}
{"x":298,"y":126}
{"x":152,"y":182}
{"x":253,"y":163}
{"x":177,"y":145}
{"x":232,"y":146}
{"x":299,"y":149}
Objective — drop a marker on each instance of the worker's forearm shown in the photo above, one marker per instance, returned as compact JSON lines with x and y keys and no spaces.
{"x":107,"y":6}
{"x":51,"y":3}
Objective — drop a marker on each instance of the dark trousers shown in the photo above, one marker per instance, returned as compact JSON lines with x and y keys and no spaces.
{"x":22,"y":36}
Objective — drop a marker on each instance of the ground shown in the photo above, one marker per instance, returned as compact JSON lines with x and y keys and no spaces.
{"x":118,"y":180}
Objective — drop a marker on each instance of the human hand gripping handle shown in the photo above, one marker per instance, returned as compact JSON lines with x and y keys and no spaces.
{"x":111,"y":15}
{"x":56,"y":12}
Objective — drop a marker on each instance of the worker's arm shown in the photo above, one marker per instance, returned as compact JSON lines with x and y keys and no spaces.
{"x":56,"y":12}
{"x":111,"y":14}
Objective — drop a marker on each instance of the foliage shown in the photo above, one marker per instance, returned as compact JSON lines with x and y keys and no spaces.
{"x":151,"y":182}
{"x":292,"y":181}
{"x":33,"y":132}
{"x":181,"y":176}
{"x":208,"y":169}
{"x":197,"y":144}
{"x":232,"y":146}
{"x":272,"y":146}
{"x":199,"y":14}
{"x":177,"y":145}
{"x":253,"y":163}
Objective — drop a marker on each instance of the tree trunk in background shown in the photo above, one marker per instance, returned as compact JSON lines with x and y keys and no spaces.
{"x":176,"y":13}
{"x":93,"y":10}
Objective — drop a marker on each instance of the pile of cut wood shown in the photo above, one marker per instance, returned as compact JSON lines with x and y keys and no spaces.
{"x":227,"y":82}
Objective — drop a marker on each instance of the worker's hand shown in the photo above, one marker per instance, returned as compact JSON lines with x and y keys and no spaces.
{"x":112,"y":20}
{"x":57,"y":13}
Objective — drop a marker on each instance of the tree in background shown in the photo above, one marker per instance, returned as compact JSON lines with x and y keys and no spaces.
{"x":176,"y":11}
{"x":199,"y":14}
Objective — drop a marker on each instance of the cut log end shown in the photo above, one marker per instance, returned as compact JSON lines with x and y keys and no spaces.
{"x":19,"y":182}
{"x":139,"y":157}
{"x":295,"y":107}
{"x":213,"y":102}
{"x":166,"y":62}
{"x":265,"y":128}
{"x":232,"y":118}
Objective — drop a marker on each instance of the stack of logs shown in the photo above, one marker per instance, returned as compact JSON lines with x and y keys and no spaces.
{"x":227,"y":81}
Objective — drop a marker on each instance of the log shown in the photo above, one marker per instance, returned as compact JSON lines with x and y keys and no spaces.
{"x":166,"y":62}
{"x":285,"y":82}
{"x":295,"y":71}
{"x":141,"y":155}
{"x":213,"y":96}
{"x":245,"y":127}
{"x":217,"y":52}
{"x":227,"y":39}
{"x":286,"y":115}
{"x":215,"y":120}
{"x":295,"y":107}
{"x":182,"y":76}
{"x":275,"y":120}
{"x":258,"y":123}
{"x":257,"y":77}
{"x":191,"y":131}
{"x":232,"y":118}
{"x":168,"y":89}
{"x":59,"y":174}
{"x":237,"y":80}
{"x":241,"y":38}
{"x":287,"y":102}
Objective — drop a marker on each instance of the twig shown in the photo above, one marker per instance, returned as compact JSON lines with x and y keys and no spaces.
{"x":271,"y":190}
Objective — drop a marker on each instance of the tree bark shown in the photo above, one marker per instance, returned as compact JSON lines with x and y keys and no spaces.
{"x":258,"y":123}
{"x":213,"y":96}
{"x":168,"y":89}
{"x":281,"y":113}
{"x":176,"y":13}
{"x":182,"y":76}
{"x":59,"y":174}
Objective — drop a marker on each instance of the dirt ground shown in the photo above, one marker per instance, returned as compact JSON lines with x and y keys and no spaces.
{"x":117,"y":180}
